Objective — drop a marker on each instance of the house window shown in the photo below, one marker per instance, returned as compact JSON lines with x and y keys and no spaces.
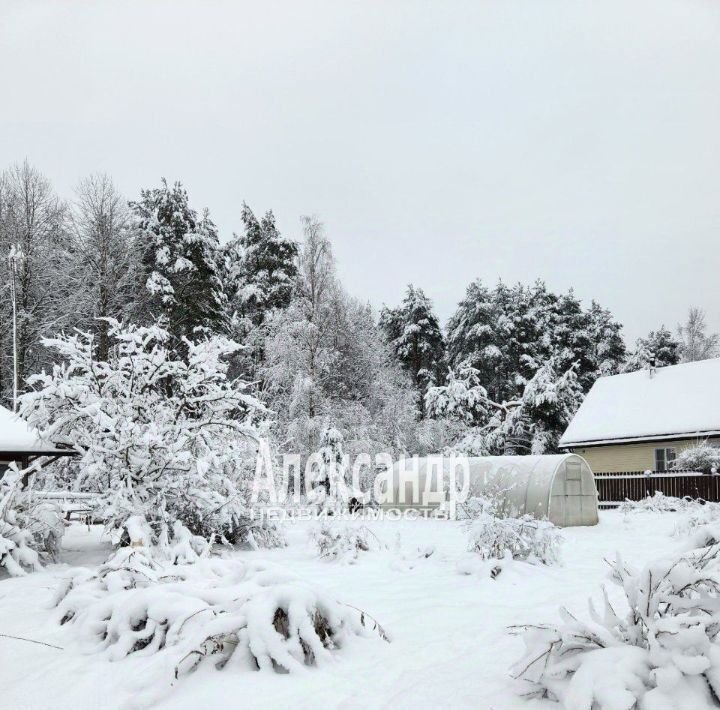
{"x":664,"y":459}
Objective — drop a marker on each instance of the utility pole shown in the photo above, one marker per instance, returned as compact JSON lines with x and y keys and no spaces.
{"x":15,"y":255}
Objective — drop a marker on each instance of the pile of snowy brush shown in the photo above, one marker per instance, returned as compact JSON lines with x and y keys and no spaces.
{"x":661,"y":651}
{"x":183,"y":608}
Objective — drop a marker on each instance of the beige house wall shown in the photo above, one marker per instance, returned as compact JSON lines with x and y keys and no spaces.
{"x":630,"y":457}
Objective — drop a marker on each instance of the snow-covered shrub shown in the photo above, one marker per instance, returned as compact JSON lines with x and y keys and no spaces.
{"x":663,"y":651}
{"x":17,"y":554}
{"x":477,"y":506}
{"x":525,"y":538}
{"x":403,"y":560}
{"x":703,"y":458}
{"x":704,"y":536}
{"x":697,"y":516}
{"x":657,"y":503}
{"x":232,"y":614}
{"x":186,"y":547}
{"x":159,"y":435}
{"x":342,"y":542}
{"x":45,"y":523}
{"x":28,"y":527}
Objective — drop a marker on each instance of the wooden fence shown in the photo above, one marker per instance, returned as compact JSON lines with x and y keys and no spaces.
{"x":614,"y":488}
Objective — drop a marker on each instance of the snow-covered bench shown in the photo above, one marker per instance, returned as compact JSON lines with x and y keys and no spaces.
{"x":72,"y":503}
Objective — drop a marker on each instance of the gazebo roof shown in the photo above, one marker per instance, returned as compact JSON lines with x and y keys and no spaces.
{"x":17,"y":438}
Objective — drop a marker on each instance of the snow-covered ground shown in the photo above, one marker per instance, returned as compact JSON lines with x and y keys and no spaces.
{"x":450,"y":646}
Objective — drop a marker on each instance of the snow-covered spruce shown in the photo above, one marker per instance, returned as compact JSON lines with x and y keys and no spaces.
{"x":260,"y":267}
{"x":161,"y":436}
{"x":661,"y":652}
{"x":230,"y":614}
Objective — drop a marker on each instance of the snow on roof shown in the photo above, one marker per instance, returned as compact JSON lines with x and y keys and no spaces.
{"x":16,"y":435}
{"x":672,"y":401}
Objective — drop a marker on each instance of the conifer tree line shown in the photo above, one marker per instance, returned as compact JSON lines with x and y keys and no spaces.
{"x":505,"y":374}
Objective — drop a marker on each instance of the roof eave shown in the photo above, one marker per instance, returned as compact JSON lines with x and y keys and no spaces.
{"x":10,"y":455}
{"x":640,"y":439}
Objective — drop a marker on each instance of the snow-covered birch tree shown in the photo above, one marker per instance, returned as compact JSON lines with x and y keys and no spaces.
{"x":695,"y":342}
{"x":33,"y":223}
{"x":100,"y":274}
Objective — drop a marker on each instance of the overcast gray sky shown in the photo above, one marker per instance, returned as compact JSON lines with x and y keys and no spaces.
{"x":574,"y":141}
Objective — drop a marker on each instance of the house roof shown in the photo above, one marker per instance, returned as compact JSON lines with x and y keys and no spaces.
{"x":18,"y":438}
{"x":680,"y":401}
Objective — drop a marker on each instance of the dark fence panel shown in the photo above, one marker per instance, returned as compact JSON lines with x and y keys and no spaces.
{"x":615,"y":487}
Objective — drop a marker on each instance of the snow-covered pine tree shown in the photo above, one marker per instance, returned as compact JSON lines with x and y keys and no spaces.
{"x":462,"y":397}
{"x":471,"y":331}
{"x":664,"y":347}
{"x":499,"y":333}
{"x":529,"y":424}
{"x":180,"y":264}
{"x":606,"y":341}
{"x":413,"y":331}
{"x":548,"y":403}
{"x":589,"y":339}
{"x":659,"y":349}
{"x":261,"y":267}
{"x":508,"y":333}
{"x":159,"y":436}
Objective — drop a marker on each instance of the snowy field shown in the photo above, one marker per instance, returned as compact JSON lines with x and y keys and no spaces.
{"x":449,"y":644}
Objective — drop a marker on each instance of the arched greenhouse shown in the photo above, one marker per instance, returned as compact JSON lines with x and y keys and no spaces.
{"x":559,"y":487}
